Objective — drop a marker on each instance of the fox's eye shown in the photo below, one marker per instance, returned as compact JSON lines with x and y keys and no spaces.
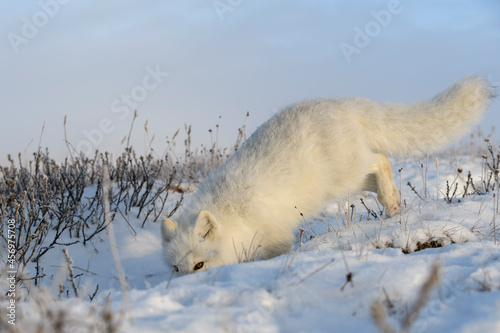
{"x":198,"y":266}
{"x":176,"y":268}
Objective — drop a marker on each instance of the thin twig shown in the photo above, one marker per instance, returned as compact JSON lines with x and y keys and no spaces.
{"x":423,"y":297}
{"x":131,"y":127}
{"x":69,"y":262}
{"x":112,"y":241}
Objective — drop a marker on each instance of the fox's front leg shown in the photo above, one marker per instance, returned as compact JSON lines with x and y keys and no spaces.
{"x":381,"y":181}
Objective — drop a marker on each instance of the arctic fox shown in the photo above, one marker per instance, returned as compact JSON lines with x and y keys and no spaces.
{"x":304,"y":156}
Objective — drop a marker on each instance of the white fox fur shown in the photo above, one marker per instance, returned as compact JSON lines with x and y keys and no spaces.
{"x":305,"y":156}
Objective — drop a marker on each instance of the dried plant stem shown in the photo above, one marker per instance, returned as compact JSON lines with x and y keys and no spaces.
{"x":68,"y":145}
{"x":317,"y":270}
{"x":400,"y":193}
{"x":349,"y":219}
{"x":303,"y":218}
{"x":40,"y":140}
{"x":494,"y":217}
{"x":300,"y":237}
{"x":379,"y":315}
{"x":437,"y":184}
{"x":112,"y":241}
{"x":498,"y":198}
{"x":131,"y":127}
{"x":378,"y":215}
{"x":424,"y":176}
{"x":69,"y":262}
{"x":423,"y":297}
{"x":414,"y":190}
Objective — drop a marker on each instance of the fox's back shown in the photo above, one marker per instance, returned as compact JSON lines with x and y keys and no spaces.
{"x":291,"y":160}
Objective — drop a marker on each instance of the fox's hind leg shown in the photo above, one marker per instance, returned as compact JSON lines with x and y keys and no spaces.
{"x":381,"y":181}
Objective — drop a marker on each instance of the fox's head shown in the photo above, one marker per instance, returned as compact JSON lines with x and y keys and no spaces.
{"x":192,"y":248}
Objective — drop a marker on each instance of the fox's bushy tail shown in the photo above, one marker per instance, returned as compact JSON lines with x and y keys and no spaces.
{"x":419,"y":127}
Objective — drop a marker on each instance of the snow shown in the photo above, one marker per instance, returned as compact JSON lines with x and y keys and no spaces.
{"x":308,"y":290}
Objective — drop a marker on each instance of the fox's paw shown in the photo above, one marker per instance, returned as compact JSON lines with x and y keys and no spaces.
{"x":393,"y":209}
{"x":391,"y":202}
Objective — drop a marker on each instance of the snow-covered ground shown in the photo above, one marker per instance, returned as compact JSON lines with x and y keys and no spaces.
{"x":329,"y":283}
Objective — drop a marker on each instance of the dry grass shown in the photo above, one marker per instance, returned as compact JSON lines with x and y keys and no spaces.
{"x":52,"y":201}
{"x":45,"y":314}
{"x":379,"y":311}
{"x":56,"y":205}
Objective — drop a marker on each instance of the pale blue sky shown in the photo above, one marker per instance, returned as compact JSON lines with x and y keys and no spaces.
{"x":83,"y":57}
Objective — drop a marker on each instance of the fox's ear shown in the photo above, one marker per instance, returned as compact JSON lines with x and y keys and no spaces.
{"x":206,"y":225}
{"x":168,"y":228}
